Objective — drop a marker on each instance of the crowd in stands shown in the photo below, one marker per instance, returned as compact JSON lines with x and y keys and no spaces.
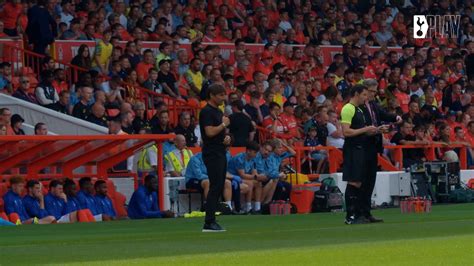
{"x":284,"y":90}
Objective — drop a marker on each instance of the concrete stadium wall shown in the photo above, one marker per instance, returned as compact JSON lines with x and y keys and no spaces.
{"x":57,"y":123}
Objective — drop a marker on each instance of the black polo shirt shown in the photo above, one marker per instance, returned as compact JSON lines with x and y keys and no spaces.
{"x":98,"y":121}
{"x":211,"y":116}
{"x":81,"y":111}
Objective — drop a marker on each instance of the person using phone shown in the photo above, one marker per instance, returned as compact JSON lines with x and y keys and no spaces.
{"x":374,"y":116}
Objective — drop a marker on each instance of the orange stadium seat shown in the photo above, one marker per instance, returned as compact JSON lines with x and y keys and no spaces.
{"x":14,"y":217}
{"x":3,"y":216}
{"x":113,"y":112}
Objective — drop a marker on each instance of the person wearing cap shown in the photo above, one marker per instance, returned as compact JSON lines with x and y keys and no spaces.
{"x":289,"y":120}
{"x":265,"y":63}
{"x":45,"y":92}
{"x":16,"y":123}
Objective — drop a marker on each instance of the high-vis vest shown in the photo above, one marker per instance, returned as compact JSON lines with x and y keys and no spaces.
{"x":175,"y":161}
{"x":143,"y":162}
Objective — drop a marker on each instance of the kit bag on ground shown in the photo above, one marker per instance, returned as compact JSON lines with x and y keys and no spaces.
{"x":328,"y":198}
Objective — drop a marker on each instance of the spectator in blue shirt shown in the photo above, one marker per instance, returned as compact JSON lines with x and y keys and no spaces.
{"x":311,"y":140}
{"x":34,"y":203}
{"x":55,"y":203}
{"x":144,"y":201}
{"x":103,"y":202}
{"x":6,"y":78}
{"x":86,"y":197}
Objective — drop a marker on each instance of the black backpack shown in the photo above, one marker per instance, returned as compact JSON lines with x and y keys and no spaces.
{"x":328,"y":198}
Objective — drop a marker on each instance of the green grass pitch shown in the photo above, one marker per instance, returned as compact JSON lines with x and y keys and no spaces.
{"x":443,"y":237}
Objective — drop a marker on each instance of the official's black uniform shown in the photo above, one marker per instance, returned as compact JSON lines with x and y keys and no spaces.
{"x":374,"y":115}
{"x":354,"y":154}
{"x":355,"y":158}
{"x":214,"y":157}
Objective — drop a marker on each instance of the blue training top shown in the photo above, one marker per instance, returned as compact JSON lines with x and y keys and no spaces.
{"x":105,"y":206}
{"x":55,"y":206}
{"x":87,"y":201}
{"x":32,"y":207}
{"x":14,"y":204}
{"x":144,"y":204}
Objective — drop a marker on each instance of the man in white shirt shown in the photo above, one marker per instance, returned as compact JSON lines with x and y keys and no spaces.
{"x":335,"y":135}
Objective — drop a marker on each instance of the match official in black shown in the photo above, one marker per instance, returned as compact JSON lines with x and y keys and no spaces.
{"x":213,"y":124}
{"x":374,"y":116}
{"x":356,"y":133}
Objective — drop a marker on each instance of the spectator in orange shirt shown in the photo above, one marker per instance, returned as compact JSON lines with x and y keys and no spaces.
{"x":59,"y":82}
{"x":265,"y":63}
{"x":145,"y":66}
{"x":289,"y":120}
{"x":243,"y":69}
{"x":280,"y":55}
{"x":9,"y":15}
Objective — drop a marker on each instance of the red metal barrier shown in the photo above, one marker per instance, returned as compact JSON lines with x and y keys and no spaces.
{"x":430,"y":153}
{"x":35,"y":154}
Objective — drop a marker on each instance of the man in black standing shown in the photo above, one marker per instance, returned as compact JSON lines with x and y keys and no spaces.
{"x":374,"y":116}
{"x":41,"y":28}
{"x":356,"y":134}
{"x":213,"y":124}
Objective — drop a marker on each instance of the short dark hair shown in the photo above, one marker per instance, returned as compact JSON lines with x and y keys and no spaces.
{"x":83,"y":181}
{"x":357,"y":89}
{"x":237,"y":104}
{"x":215,"y":89}
{"x":98,"y":183}
{"x":163,"y":45}
{"x":39,"y":125}
{"x":31,"y":183}
{"x":148,"y":178}
{"x":55,"y":183}
{"x":68,"y":183}
{"x":253,"y":146}
{"x":273,"y":105}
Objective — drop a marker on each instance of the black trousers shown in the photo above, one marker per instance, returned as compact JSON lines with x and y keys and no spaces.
{"x":368,"y":183}
{"x":216,"y":164}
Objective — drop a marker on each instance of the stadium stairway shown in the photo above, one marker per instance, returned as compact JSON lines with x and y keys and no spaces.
{"x":57,"y":123}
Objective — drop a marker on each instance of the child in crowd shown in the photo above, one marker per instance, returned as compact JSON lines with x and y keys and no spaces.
{"x":311,"y":140}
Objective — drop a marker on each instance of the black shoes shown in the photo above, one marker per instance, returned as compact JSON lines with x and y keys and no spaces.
{"x":353,"y":220}
{"x":373,"y":219}
{"x":212,"y":227}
